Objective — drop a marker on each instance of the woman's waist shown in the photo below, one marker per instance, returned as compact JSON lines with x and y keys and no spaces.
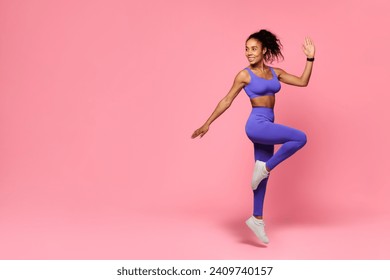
{"x":267,"y":101}
{"x":261,"y":110}
{"x":262,"y":107}
{"x":260,"y":117}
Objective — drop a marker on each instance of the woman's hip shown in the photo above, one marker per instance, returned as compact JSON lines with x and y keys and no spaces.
{"x":259,"y":118}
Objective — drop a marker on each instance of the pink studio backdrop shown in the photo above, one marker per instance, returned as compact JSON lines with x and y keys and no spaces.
{"x":99,"y":100}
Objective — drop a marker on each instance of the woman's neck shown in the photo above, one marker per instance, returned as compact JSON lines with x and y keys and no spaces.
{"x":259,"y":66}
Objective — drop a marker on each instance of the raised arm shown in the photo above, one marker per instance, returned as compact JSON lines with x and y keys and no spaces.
{"x":303,"y":80}
{"x":224,"y":104}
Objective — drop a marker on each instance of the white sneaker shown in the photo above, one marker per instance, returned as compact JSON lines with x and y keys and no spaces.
{"x":257,"y":226}
{"x":259,"y":173}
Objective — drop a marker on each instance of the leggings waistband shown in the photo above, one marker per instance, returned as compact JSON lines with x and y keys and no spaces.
{"x":262,"y":108}
{"x":266,"y":112}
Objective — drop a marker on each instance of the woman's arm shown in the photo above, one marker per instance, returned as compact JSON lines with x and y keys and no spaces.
{"x":224,"y":104}
{"x":303,"y":80}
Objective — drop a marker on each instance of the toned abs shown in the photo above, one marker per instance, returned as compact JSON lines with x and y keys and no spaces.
{"x":263,"y":101}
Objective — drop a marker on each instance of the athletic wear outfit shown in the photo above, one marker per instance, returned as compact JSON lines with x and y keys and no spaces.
{"x":264,"y":133}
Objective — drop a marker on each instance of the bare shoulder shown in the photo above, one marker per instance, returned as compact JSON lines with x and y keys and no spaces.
{"x":278,"y":71}
{"x":243,"y":77}
{"x":241,"y":80}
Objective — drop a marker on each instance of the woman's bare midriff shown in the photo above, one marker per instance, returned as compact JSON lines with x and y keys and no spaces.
{"x":263,"y":101}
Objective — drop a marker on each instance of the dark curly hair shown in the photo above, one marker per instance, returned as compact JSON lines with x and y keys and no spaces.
{"x":271,"y":42}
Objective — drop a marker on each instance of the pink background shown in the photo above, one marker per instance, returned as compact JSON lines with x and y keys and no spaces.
{"x":99,"y":100}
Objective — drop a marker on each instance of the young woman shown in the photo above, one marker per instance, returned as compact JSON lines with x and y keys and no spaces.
{"x":261,"y":82}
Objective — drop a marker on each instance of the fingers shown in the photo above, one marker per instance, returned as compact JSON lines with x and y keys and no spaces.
{"x":308,"y":41}
{"x":308,"y":46}
{"x":200,"y":131}
{"x":196,"y":133}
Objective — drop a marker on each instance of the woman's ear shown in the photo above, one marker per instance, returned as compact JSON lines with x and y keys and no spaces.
{"x":264,"y":50}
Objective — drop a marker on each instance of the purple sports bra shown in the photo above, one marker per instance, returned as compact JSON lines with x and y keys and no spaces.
{"x":259,"y":86}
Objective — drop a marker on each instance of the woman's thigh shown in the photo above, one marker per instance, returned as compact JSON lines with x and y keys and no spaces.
{"x":271,"y":133}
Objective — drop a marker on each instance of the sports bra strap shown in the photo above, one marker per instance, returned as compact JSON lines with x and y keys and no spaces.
{"x":273,"y":71}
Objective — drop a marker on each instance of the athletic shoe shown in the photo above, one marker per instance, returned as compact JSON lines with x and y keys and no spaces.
{"x":259,"y":173}
{"x":257,"y":226}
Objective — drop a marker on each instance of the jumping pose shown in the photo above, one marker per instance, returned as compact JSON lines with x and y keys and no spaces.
{"x":261,"y":82}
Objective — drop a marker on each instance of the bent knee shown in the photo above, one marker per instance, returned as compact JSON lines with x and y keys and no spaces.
{"x":302,"y":139}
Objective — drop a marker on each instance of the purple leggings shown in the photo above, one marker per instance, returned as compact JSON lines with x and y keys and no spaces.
{"x":264,"y":133}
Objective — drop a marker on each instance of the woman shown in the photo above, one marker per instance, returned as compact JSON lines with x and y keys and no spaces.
{"x":261,"y":82}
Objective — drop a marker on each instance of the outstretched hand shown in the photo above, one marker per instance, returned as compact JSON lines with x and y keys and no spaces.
{"x":200,"y":131}
{"x":308,"y":47}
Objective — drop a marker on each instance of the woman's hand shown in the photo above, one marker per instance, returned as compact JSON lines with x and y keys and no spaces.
{"x":200,"y":131}
{"x":308,"y":47}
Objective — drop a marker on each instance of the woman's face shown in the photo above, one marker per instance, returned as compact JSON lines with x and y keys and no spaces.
{"x":254,"y":51}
